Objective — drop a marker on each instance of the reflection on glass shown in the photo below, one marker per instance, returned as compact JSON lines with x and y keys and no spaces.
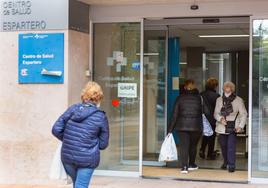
{"x":217,"y":65}
{"x":154,"y":93}
{"x":117,"y":63}
{"x":260,"y":100}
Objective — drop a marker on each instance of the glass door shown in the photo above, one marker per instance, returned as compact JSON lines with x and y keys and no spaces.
{"x":154,"y":87}
{"x":219,"y":66}
{"x":116,"y":67}
{"x":259,"y":111}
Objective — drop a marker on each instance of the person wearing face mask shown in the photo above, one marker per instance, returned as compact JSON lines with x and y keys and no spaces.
{"x":84,"y":131}
{"x":231,"y":116}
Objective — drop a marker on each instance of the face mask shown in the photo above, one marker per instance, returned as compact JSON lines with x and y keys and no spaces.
{"x":98,"y":105}
{"x":227,"y":94}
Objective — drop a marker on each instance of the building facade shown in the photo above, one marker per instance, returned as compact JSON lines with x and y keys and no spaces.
{"x":116,"y":43}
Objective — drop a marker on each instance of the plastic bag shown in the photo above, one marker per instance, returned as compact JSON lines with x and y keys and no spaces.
{"x":57,"y":171}
{"x":168,"y":150}
{"x":207,"y":129}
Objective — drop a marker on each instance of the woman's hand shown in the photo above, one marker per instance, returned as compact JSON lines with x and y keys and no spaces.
{"x":169,"y":132}
{"x":223,"y":121}
{"x":238,"y":130}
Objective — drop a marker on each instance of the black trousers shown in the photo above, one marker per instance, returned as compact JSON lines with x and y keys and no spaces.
{"x":228,"y":148}
{"x":188,"y":147}
{"x":210,"y":142}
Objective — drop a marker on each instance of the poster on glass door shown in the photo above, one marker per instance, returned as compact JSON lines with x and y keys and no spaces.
{"x":127,"y":90}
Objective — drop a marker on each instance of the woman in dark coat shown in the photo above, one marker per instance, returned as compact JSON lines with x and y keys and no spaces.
{"x":84,"y":131}
{"x":209,"y":97}
{"x":187,"y":121}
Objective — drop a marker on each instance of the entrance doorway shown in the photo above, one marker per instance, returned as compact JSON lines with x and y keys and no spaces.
{"x":196,"y":48}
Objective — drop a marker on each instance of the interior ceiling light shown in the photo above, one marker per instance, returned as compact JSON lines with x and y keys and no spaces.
{"x":222,"y":36}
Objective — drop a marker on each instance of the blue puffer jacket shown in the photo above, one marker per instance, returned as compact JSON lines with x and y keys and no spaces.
{"x":84,"y":131}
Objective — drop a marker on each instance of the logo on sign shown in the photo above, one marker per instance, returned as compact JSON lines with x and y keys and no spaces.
{"x":40,"y":36}
{"x":136,"y":65}
{"x":24,"y":72}
{"x":118,"y":60}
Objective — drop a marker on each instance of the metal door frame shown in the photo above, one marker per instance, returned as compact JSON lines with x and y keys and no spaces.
{"x":250,"y":178}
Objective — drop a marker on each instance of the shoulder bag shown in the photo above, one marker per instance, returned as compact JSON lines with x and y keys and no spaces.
{"x":230,"y":126}
{"x":207,"y":129}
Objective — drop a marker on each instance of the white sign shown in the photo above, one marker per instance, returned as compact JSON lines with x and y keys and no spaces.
{"x":127,"y":90}
{"x":175,"y":83}
{"x":21,"y":15}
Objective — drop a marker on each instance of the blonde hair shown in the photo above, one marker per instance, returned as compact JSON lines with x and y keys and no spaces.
{"x":92,"y":92}
{"x":189,"y":84}
{"x":229,"y":84}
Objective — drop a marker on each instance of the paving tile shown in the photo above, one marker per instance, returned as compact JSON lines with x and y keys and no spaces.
{"x":112,"y":182}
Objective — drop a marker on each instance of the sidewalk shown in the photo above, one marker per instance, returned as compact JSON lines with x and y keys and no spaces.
{"x":111,"y":182}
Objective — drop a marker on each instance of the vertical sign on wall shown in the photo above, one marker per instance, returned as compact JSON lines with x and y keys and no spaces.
{"x":41,"y":58}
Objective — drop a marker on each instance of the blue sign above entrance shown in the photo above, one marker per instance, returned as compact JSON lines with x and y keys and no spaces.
{"x":41,"y":58}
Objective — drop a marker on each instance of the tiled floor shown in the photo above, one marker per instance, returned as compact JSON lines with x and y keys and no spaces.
{"x":201,"y":174}
{"x":111,"y":182}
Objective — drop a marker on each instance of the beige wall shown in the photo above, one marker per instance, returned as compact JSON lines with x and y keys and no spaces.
{"x":27,"y":112}
{"x":149,"y":2}
{"x":78,"y":64}
{"x":206,"y":8}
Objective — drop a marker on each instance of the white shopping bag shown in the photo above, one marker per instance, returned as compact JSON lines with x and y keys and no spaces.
{"x":207,"y":129}
{"x":168,"y":150}
{"x":57,"y":171}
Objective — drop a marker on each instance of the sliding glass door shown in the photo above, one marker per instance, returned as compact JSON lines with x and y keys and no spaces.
{"x":116,"y":67}
{"x":259,"y":116}
{"x":154,"y":86}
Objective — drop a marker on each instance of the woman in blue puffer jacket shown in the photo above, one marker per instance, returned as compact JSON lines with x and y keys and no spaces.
{"x":84,"y":131}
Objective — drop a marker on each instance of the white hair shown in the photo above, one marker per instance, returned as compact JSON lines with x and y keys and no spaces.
{"x":230,"y":85}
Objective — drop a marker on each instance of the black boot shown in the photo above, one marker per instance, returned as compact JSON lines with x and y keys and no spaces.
{"x":202,"y":154}
{"x":231,"y":169}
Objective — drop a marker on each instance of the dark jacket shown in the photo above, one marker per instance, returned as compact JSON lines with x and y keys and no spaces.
{"x":187,"y":112}
{"x":84,"y":131}
{"x":210,"y":97}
